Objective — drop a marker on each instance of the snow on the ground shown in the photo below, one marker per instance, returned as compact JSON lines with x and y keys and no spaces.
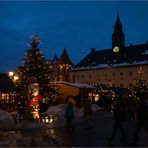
{"x":6,"y":120}
{"x":60,"y":109}
{"x":17,"y":139}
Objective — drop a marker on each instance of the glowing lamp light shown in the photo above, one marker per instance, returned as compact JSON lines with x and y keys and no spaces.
{"x":15,"y":78}
{"x":51,"y":120}
{"x":116,"y":49}
{"x":97,"y":97}
{"x":46,"y":119}
{"x":11,"y":73}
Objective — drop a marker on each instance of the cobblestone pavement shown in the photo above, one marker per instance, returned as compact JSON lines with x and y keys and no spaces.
{"x":81,"y":137}
{"x":97,"y":136}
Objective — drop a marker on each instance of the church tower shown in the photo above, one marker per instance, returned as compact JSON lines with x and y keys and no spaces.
{"x":118,"y":37}
{"x":65,"y":64}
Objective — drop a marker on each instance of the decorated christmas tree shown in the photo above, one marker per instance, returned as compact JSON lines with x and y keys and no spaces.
{"x":140,"y":89}
{"x":34,"y":78}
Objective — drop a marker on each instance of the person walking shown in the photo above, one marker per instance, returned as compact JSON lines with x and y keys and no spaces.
{"x":119,"y":118}
{"x":69,"y":115}
{"x":141,"y":120}
{"x":88,"y":113}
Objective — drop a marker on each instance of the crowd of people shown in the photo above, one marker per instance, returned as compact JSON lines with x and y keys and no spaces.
{"x":124,"y":108}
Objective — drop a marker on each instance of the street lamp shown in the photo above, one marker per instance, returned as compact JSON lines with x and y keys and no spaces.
{"x":11,"y":73}
{"x":15,"y":77}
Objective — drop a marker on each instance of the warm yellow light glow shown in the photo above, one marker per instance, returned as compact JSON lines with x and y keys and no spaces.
{"x":116,"y":49}
{"x":35,"y":115}
{"x":46,"y":120}
{"x":97,"y":97}
{"x":51,"y":120}
{"x":11,"y":73}
{"x":15,"y":78}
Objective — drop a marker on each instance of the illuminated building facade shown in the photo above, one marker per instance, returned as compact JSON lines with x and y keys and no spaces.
{"x":116,"y":66}
{"x":61,"y":67}
{"x":7,"y":96}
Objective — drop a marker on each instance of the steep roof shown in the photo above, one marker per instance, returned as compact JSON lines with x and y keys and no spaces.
{"x":64,"y":59}
{"x":118,"y":24}
{"x":6,"y":84}
{"x":55,"y":59}
{"x":127,"y":54}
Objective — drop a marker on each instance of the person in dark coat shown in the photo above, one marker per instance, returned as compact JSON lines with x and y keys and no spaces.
{"x":119,"y":118}
{"x":141,"y":120}
{"x":88,"y":113}
{"x":69,"y":115}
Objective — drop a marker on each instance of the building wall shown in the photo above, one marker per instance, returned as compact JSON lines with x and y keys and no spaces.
{"x":113,"y":76}
{"x":65,"y":90}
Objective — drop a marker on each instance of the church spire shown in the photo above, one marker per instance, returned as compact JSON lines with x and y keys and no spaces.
{"x":118,"y":37}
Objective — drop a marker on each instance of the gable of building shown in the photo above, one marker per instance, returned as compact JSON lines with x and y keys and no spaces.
{"x":6,"y":84}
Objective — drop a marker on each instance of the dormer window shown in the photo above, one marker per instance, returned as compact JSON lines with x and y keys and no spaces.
{"x":89,"y":60}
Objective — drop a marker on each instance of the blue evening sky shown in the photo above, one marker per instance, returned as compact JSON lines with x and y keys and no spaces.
{"x":76,"y":25}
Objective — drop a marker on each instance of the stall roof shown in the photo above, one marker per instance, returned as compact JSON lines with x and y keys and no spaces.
{"x":79,"y":85}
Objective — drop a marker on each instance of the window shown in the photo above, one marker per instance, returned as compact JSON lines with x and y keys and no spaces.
{"x":114,"y":85}
{"x":121,"y":85}
{"x":130,"y":85}
{"x":130,"y":73}
{"x":121,"y":73}
{"x":89,"y":76}
{"x":106,"y":75}
{"x":82,"y":76}
{"x":113,"y":74}
{"x":5,"y":98}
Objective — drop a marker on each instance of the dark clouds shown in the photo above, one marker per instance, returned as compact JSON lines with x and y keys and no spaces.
{"x":77,"y":26}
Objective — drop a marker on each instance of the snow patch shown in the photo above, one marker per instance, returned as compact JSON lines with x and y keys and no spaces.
{"x":60,"y":109}
{"x":6,"y":120}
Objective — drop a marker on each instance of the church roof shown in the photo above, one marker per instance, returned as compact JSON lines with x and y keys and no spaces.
{"x":130,"y":54}
{"x":118,"y":23}
{"x":55,"y":59}
{"x":64,"y":59}
{"x":127,"y":54}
